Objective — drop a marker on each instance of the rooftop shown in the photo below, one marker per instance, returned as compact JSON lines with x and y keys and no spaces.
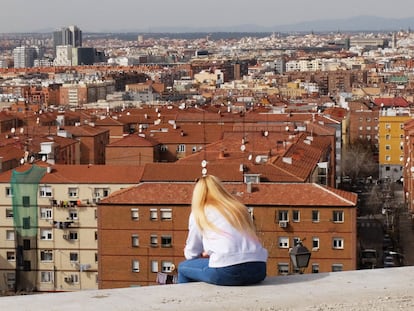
{"x":360,"y":290}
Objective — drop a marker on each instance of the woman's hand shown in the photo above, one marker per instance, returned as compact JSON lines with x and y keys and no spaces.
{"x":204,"y":255}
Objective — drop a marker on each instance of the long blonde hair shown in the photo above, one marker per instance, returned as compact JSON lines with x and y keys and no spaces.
{"x":210,"y":191}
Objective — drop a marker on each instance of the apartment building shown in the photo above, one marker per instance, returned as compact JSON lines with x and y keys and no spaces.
{"x":49,"y":224}
{"x":142,"y":230}
{"x":391,"y":143}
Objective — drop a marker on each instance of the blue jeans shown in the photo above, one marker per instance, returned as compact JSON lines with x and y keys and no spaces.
{"x":248,"y":273}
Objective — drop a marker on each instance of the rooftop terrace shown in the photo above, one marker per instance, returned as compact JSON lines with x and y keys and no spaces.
{"x":376,"y":289}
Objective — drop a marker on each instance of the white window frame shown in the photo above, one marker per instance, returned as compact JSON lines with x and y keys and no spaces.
{"x":315,"y":268}
{"x":9,"y":192}
{"x":153,"y":214}
{"x":46,"y":234}
{"x":46,"y":213}
{"x":337,"y":267}
{"x":73,"y":214}
{"x":337,"y":243}
{"x":73,"y":192}
{"x":338,"y":216}
{"x":46,"y":277}
{"x":164,"y":238}
{"x":166,"y":214}
{"x":11,"y":256}
{"x":10,"y":235}
{"x":46,"y":255}
{"x":134,"y":213}
{"x":135,"y":265}
{"x":296,"y":219}
{"x":167,"y":266}
{"x":154,"y":240}
{"x":315,"y":243}
{"x":283,"y":268}
{"x":74,"y":257}
{"x":73,"y":235}
{"x":283,"y":242}
{"x":154,"y":265}
{"x":318,"y":218}
{"x":181,"y":148}
{"x":283,"y":215}
{"x":9,"y":213}
{"x":45,"y":191}
{"x":135,"y":240}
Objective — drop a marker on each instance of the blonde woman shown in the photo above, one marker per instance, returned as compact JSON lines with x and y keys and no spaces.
{"x":222,"y":246}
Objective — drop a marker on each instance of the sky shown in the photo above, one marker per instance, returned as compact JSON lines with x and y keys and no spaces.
{"x":138,"y":15}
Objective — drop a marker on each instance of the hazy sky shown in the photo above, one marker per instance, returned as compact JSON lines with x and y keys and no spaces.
{"x":98,"y":15}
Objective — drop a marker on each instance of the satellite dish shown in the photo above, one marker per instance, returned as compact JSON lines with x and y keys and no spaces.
{"x":13,"y":130}
{"x":44,"y":158}
{"x":250,"y":157}
{"x":266,"y":133}
{"x":21,"y":130}
{"x":22,"y":161}
{"x":203,"y":163}
{"x":243,"y":147}
{"x":204,"y":171}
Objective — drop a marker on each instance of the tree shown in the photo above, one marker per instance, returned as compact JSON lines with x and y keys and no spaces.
{"x":358,"y":160}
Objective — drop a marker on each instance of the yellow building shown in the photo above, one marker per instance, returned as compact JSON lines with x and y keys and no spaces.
{"x":391,"y":144}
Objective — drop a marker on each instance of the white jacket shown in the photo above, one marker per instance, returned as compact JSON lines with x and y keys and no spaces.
{"x":225,"y":247}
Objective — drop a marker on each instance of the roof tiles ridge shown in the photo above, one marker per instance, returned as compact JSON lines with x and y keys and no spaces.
{"x":333,"y":193}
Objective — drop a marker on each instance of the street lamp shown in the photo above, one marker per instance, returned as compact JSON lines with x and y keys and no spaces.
{"x":299,"y":255}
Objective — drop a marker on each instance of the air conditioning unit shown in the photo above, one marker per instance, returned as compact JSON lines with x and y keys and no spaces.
{"x":283,"y":223}
{"x":68,"y":279}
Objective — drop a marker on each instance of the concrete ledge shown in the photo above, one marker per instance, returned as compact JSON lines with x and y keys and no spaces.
{"x":377,"y":289}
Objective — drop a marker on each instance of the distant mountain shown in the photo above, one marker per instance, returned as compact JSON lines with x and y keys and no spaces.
{"x":359,"y":23}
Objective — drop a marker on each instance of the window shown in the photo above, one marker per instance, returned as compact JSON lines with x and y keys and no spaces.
{"x":387,"y":136}
{"x":26,"y":222}
{"x":387,"y":147}
{"x":134,"y":214}
{"x":163,"y":148}
{"x":167,"y":266}
{"x":315,"y":243}
{"x":11,"y":280}
{"x":153,"y":214}
{"x":295,"y":216}
{"x":11,"y":256}
{"x":296,"y":241}
{"x":10,"y":235}
{"x":73,"y":235}
{"x":46,"y":276}
{"x":338,"y":216}
{"x":74,"y":257}
{"x":154,"y":266}
{"x":135,"y":240}
{"x":154,"y":240}
{"x":26,"y":201}
{"x":46,"y":234}
{"x":283,"y":242}
{"x":46,"y":255}
{"x":283,"y":216}
{"x":9,"y":213}
{"x":45,"y":191}
{"x":73,"y":214}
{"x":45,"y":213}
{"x":96,"y":235}
{"x":315,"y":216}
{"x":166,"y":241}
{"x":338,"y":243}
{"x":315,"y":268}
{"x":387,"y":126}
{"x":387,"y":158}
{"x":166,"y":213}
{"x":283,"y":268}
{"x":26,"y":244}
{"x":73,"y":192}
{"x":337,"y":267}
{"x":9,"y":192}
{"x":135,"y":265}
{"x":181,"y":148}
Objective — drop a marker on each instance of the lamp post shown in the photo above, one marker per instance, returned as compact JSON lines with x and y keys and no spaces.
{"x":299,"y":255}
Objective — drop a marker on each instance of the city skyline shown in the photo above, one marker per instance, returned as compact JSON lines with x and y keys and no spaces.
{"x":129,"y":15}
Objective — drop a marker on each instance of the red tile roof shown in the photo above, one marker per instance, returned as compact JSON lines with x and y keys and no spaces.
{"x":267,"y":194}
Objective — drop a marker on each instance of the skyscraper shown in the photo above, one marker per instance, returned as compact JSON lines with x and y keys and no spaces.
{"x":71,"y":35}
